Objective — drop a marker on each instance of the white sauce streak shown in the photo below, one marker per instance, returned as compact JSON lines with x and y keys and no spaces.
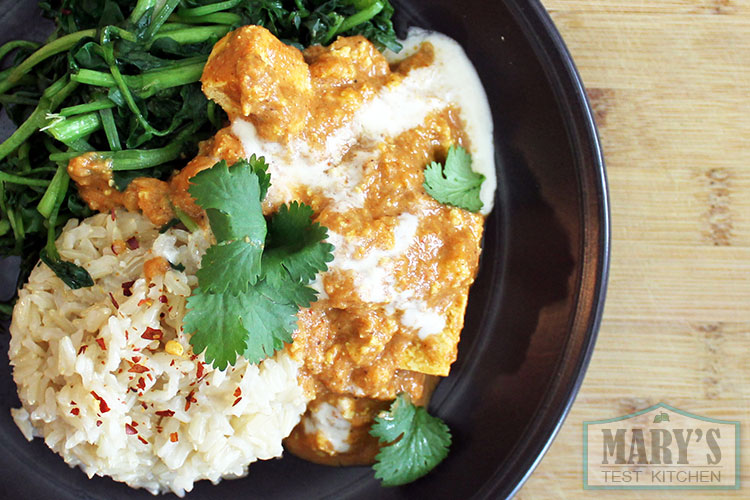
{"x":451,"y":79}
{"x":327,"y":420}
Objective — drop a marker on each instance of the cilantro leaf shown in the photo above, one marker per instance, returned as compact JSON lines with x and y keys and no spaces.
{"x":270,"y":319}
{"x":418,"y":442}
{"x":216,"y":325}
{"x":233,"y":266}
{"x":254,"y":280}
{"x":231,"y":199}
{"x":454,"y":183}
{"x":296,"y":244}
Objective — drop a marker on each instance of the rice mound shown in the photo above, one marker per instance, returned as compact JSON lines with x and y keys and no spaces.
{"x":98,"y":385}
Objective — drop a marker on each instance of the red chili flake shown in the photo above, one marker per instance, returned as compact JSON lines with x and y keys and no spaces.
{"x":102,"y":404}
{"x":112,"y":213}
{"x":101,"y":343}
{"x":114,"y":251}
{"x":73,"y":403}
{"x":132,"y":243}
{"x":173,"y":437}
{"x":134,"y":423}
{"x":141,"y":383}
{"x":149,"y":376}
{"x":82,"y":349}
{"x":189,"y":399}
{"x":163,"y":299}
{"x":141,"y":302}
{"x":236,"y":401}
{"x":169,"y":309}
{"x":237,"y":392}
{"x":140,"y":438}
{"x":75,"y":411}
{"x":136,"y":368}
{"x":130,"y":430}
{"x":114,"y":302}
{"x":199,"y":371}
{"x":208,"y":383}
{"x":126,"y":288}
{"x":159,"y":428}
{"x":165,"y":413}
{"x":98,"y":423}
{"x":171,"y":363}
{"x":152,"y":334}
{"x":136,"y":359}
{"x":144,"y":405}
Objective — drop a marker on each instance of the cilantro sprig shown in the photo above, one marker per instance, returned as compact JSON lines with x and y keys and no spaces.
{"x":418,"y":442}
{"x":253,"y":281}
{"x":454,"y":183}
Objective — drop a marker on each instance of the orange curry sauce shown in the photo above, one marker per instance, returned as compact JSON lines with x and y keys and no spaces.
{"x":356,"y":356}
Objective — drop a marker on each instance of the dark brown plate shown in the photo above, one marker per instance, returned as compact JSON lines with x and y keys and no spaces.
{"x":533,"y":312}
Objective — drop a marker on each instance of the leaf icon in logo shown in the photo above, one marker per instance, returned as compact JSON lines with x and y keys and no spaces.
{"x":662,"y":417}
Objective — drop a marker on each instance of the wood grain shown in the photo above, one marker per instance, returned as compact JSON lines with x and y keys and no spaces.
{"x":669,"y":81}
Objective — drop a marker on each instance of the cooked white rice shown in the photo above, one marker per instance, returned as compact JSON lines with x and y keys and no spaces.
{"x":102,"y":396}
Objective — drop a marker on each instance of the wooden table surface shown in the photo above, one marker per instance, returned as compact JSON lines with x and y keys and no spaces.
{"x":670,"y":84}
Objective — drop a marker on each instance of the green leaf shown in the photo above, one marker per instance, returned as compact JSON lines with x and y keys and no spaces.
{"x":230,"y":266}
{"x":215,"y":322}
{"x":231,"y":199}
{"x":255,"y":324}
{"x":415,"y":441}
{"x":256,"y":292}
{"x":72,"y":275}
{"x":296,"y":244}
{"x":454,"y":183}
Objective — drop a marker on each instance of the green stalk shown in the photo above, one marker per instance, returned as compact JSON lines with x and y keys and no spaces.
{"x":16,"y":44}
{"x":170,"y":26}
{"x":4,"y":227}
{"x":227,"y":18}
{"x":146,"y":84}
{"x":79,"y":145}
{"x":17,"y":179}
{"x":160,"y":18}
{"x":12,"y":99}
{"x":360,"y":17}
{"x":334,"y":27}
{"x":110,"y":129}
{"x":86,"y":108}
{"x":186,"y":220}
{"x":51,"y":99}
{"x":76,"y":127}
{"x":140,"y":9}
{"x":137,"y":159}
{"x":209,"y":9}
{"x":194,"y":34}
{"x":52,"y":220}
{"x":63,"y":157}
{"x":17,"y":225}
{"x":54,"y":47}
{"x":57,"y":188}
